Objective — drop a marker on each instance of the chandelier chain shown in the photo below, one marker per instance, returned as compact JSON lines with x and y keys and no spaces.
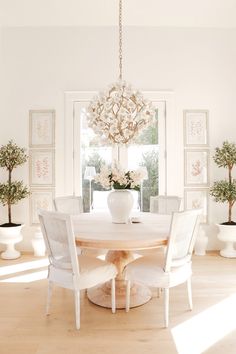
{"x":120,"y":113}
{"x":120,"y":40}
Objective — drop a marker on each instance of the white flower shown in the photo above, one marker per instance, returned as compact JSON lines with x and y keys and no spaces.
{"x":117,"y":178}
{"x":115,"y":109}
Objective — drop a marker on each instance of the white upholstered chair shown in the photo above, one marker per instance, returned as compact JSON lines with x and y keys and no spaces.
{"x":66,"y":269}
{"x":162,"y":204}
{"x":175,"y":268}
{"x":69,"y":204}
{"x":73,"y":205}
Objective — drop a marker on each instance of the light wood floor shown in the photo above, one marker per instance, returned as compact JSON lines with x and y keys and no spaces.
{"x":209,"y":328}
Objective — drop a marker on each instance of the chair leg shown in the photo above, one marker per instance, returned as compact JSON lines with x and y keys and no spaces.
{"x":77,"y":308}
{"x":166,"y":306}
{"x":113,"y":295}
{"x":190,"y":299}
{"x":49,"y":296}
{"x":127,"y":302}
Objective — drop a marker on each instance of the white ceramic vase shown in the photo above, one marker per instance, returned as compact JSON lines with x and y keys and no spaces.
{"x":38,"y":244}
{"x":120,"y":203}
{"x":201,"y":242}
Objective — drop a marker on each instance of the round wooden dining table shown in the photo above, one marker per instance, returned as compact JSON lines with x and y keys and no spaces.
{"x":96,"y":231}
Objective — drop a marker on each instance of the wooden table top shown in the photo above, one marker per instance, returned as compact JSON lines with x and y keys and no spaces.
{"x":95,"y":230}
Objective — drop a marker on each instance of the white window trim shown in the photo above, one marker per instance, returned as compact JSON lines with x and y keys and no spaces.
{"x":170,"y":139}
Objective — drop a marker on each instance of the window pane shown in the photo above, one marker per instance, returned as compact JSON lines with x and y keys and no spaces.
{"x":91,"y":150}
{"x":94,"y":152}
{"x":144,"y":153}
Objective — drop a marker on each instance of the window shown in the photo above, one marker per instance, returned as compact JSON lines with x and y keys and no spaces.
{"x":84,"y":148}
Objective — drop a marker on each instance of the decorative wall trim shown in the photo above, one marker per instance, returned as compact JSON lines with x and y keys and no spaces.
{"x":196,"y":160}
{"x":41,"y":161}
{"x":41,"y":128}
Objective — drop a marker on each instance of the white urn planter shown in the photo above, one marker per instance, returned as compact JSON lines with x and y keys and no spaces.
{"x":120,"y":203}
{"x":9,"y":236}
{"x":227,"y":234}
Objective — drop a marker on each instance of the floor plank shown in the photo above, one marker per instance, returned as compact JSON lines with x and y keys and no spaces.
{"x":24,"y":328}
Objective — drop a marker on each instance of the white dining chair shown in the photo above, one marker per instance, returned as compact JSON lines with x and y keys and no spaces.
{"x":162,"y":204}
{"x":69,"y":204}
{"x":66,"y":269}
{"x":73,"y":205}
{"x":175,"y":267}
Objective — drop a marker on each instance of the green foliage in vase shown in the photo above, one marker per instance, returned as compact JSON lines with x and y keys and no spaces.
{"x":12,"y":192}
{"x":150,"y":186}
{"x":224,"y":191}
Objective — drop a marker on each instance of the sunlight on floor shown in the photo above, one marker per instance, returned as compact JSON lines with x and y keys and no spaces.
{"x":14,"y":269}
{"x":205,"y":329}
{"x":20,"y":267}
{"x":27,"y":278}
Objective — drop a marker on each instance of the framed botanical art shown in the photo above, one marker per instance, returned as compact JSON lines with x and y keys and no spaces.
{"x":197,"y":198}
{"x":196,"y":164}
{"x":41,"y":128}
{"x":196,"y":128}
{"x":40,"y":199}
{"x":42,"y":167}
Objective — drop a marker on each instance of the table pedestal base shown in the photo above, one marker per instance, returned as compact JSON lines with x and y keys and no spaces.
{"x":101,"y":295}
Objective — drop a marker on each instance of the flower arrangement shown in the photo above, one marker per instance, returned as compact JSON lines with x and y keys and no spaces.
{"x":120,"y":113}
{"x":117,"y":178}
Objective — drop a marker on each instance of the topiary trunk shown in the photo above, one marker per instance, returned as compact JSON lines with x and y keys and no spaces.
{"x":9,"y":202}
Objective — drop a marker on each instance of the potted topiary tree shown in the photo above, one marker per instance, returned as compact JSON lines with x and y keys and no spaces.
{"x":11,"y":192}
{"x":224,"y":191}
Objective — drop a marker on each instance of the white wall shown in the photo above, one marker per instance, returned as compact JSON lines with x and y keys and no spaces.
{"x":40,"y":64}
{"x":148,"y":13}
{"x":1,"y":74}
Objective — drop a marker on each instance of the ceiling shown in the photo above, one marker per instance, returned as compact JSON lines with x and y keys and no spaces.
{"x":159,"y":13}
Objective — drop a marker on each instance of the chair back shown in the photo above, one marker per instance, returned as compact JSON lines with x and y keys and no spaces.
{"x":183,"y":233}
{"x":69,"y":204}
{"x":164,"y":204}
{"x":59,"y":238}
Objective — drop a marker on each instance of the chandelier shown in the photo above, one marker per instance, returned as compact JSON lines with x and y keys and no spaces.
{"x":120,"y":113}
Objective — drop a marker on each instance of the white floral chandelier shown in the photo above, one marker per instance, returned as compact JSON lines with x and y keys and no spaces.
{"x":120,"y":113}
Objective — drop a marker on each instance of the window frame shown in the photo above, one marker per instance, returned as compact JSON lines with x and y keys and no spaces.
{"x":72,"y":174}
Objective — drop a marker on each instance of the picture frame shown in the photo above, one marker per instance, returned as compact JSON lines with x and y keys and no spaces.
{"x":41,"y":128}
{"x":196,"y":168}
{"x":42,"y":167}
{"x":196,"y":128}
{"x":197,"y":198}
{"x":40,"y":199}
